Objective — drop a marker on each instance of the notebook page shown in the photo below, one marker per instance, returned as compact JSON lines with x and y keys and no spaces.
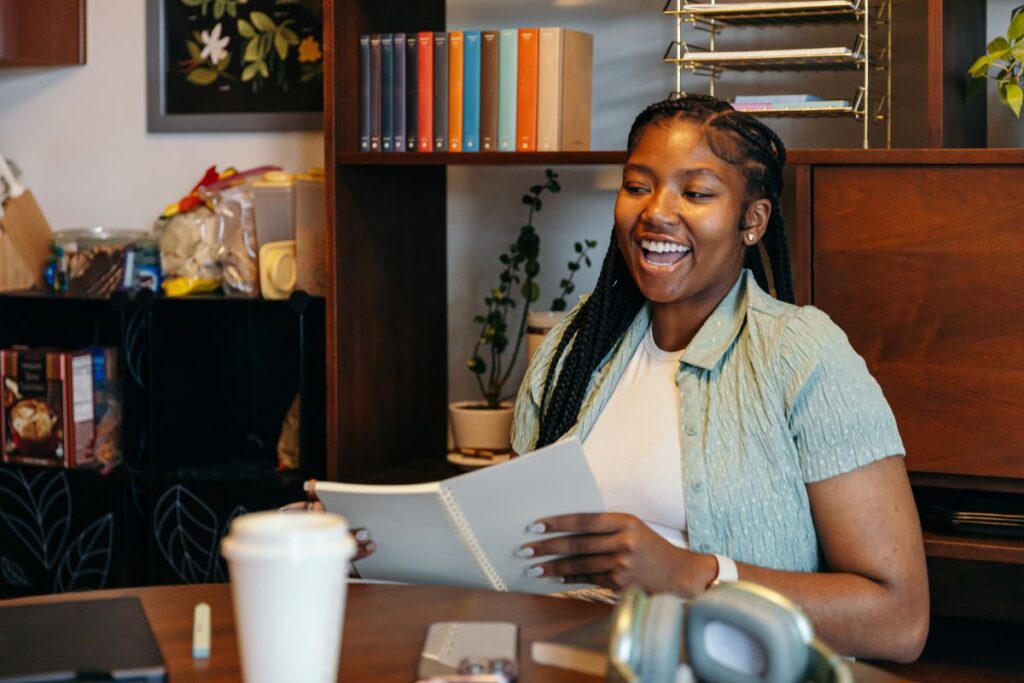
{"x":499,"y":502}
{"x":415,"y":539}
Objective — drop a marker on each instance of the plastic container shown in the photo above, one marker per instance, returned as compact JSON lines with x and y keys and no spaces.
{"x":310,"y":240}
{"x":274,"y":204}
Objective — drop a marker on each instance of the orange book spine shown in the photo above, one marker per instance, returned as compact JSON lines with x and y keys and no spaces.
{"x":425,"y":91}
{"x":455,"y":69}
{"x":526,"y":90}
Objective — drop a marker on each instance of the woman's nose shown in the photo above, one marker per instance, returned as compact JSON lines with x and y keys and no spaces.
{"x":661,"y":208}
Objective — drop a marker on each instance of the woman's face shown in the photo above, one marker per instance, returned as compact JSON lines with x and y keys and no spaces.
{"x":678,"y":216}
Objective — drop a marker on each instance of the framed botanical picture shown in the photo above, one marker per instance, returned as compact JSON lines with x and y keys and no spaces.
{"x":234,"y":65}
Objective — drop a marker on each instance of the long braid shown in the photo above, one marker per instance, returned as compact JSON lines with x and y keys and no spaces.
{"x":734,"y":137}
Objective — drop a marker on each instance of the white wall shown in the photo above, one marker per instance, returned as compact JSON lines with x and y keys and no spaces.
{"x":79,"y":133}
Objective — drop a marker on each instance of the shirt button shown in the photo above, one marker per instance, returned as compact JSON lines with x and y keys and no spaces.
{"x":691,"y":430}
{"x":697,"y":485}
{"x":705,"y":547}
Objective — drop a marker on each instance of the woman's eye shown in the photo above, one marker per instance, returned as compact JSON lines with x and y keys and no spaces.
{"x":633,"y":188}
{"x":696,"y":194}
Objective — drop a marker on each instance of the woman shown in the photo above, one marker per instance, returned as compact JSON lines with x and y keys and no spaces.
{"x":732,"y":433}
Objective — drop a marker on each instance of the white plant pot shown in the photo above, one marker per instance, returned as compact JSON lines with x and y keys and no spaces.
{"x":479,"y":428}
{"x":538,"y":324}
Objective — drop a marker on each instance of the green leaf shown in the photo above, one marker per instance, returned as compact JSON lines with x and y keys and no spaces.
{"x":527,"y":199}
{"x":194,"y":51}
{"x":290,"y":35}
{"x":997,"y":46}
{"x":262,"y":22}
{"x":1018,"y":50}
{"x":554,"y":186}
{"x":476,"y":365}
{"x":591,"y":243}
{"x":233,"y":9}
{"x":191,"y":3}
{"x":245,"y":29}
{"x":222,"y":65}
{"x":587,"y":259}
{"x":504,"y":258}
{"x":980,"y":67}
{"x":532,"y":268}
{"x":563,"y":282}
{"x":975,"y":87}
{"x":536,"y":189}
{"x":569,"y":288}
{"x":1015,"y":98}
{"x":531,"y":291}
{"x":219,"y":6}
{"x":558,"y":304}
{"x":249,"y":73}
{"x":574,"y":267}
{"x":1002,"y":92}
{"x":1016,"y":30}
{"x":549,"y":174}
{"x":479,"y":319}
{"x":578,"y":247}
{"x":266,"y":42}
{"x":202,"y":76}
{"x":252,"y":51}
{"x":536,"y":205}
{"x":281,"y":44}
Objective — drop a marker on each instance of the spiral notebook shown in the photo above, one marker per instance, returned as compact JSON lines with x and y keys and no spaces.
{"x":464,"y":531}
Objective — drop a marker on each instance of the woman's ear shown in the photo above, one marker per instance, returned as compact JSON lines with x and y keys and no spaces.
{"x":755,"y":221}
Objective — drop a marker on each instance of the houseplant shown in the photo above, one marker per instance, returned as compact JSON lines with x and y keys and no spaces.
{"x":1003,"y":62}
{"x":483,"y":425}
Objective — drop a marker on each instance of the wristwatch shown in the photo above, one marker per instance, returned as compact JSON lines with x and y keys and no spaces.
{"x":727,"y":571}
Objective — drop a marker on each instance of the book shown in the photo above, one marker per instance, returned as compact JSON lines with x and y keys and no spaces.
{"x":564,"y":78}
{"x":526,"y":90}
{"x":364,"y":93}
{"x":455,"y":61}
{"x":412,"y":104}
{"x":440,"y":91}
{"x":375,"y":82}
{"x":489,"y":61}
{"x":425,"y":90}
{"x":398,"y":100}
{"x":790,"y":106}
{"x":508,"y":79}
{"x":387,"y":92}
{"x":464,"y":531}
{"x":583,"y":648}
{"x":745,"y":99}
{"x":79,"y":640}
{"x":471,"y":91}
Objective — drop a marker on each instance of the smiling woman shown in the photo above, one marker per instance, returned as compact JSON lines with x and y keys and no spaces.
{"x":732,"y":434}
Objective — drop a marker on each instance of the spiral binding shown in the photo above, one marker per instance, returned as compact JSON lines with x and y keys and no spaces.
{"x":469,"y":539}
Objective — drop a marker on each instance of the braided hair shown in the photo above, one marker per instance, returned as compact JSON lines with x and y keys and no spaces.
{"x":734,"y":137}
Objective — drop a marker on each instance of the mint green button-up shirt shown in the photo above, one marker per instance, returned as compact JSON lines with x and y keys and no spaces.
{"x":771,"y":397}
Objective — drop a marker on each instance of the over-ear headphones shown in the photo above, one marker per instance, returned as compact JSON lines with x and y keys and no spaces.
{"x":734,"y":633}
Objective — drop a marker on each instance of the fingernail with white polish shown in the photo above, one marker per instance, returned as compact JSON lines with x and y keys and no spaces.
{"x":525,"y":551}
{"x":534,"y":572}
{"x":536,"y":528}
{"x":363,"y":535}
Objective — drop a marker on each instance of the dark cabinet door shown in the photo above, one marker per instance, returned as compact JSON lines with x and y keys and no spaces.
{"x":42,"y":32}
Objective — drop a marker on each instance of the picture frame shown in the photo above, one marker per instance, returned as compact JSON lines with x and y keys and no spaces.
{"x":234,"y":65}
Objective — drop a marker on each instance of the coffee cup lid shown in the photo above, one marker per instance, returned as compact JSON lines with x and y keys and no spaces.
{"x":275,"y":534}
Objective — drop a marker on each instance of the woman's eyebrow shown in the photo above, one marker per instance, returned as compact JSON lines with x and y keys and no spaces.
{"x":691,"y":172}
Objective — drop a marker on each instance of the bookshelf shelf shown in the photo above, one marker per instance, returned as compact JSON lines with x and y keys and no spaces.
{"x":984,"y":549}
{"x":589,"y":158}
{"x":762,"y":14}
{"x":777,"y":62}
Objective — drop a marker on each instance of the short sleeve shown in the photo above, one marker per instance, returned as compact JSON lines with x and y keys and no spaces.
{"x":838,"y":418}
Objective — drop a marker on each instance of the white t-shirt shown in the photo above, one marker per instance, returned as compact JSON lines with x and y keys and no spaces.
{"x":633,"y":448}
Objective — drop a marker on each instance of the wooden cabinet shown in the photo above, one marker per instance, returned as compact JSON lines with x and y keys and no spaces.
{"x":42,"y":32}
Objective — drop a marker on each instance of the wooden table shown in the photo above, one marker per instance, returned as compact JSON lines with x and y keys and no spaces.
{"x":384,"y":628}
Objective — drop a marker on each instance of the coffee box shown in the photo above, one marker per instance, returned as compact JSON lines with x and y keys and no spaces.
{"x":48,"y":411}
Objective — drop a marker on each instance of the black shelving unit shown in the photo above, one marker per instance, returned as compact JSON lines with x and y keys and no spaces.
{"x":205,"y":384}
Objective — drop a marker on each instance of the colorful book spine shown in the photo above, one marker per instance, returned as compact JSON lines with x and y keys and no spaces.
{"x":412,"y":104}
{"x":398,"y":85}
{"x":387,"y":92}
{"x":489,"y":59}
{"x":471,"y":92}
{"x":375,"y":77}
{"x":425,"y":90}
{"x":564,"y":75}
{"x":456,"y":59}
{"x":364,"y":93}
{"x":526,"y":89}
{"x":440,"y":91}
{"x":508,"y":79}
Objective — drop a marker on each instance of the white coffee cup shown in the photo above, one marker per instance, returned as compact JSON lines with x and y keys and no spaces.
{"x":288,"y":584}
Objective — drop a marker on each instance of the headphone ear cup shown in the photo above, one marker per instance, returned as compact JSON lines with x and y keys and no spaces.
{"x":662,"y":637}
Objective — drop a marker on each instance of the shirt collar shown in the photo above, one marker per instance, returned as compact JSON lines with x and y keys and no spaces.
{"x":719,"y":331}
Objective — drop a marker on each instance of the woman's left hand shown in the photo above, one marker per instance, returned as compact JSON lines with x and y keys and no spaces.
{"x":615,"y":550}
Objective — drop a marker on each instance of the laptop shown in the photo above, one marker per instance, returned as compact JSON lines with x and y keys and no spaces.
{"x":82,"y":639}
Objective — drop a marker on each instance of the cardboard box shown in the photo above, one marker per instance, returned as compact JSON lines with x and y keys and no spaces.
{"x":48,"y":410}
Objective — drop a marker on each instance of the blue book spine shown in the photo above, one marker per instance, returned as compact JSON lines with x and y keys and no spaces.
{"x":398,"y":115}
{"x":412,"y":94}
{"x":364,"y":92}
{"x":471,"y":91}
{"x":508,"y":62}
{"x":387,"y":95}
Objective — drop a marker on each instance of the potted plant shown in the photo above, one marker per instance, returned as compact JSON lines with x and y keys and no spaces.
{"x":1006,"y":56}
{"x":482,"y":426}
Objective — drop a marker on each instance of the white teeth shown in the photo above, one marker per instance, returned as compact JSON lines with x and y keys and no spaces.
{"x":663,"y":247}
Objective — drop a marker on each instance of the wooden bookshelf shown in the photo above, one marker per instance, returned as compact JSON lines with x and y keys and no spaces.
{"x":589,"y":158}
{"x":978,"y":548}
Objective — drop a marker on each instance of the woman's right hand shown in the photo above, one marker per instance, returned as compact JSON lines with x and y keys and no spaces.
{"x":364,"y":543}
